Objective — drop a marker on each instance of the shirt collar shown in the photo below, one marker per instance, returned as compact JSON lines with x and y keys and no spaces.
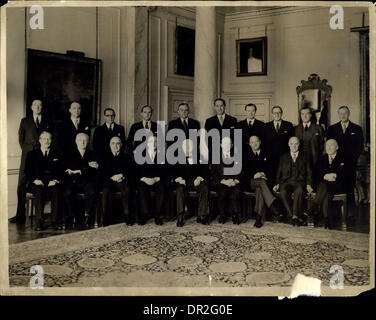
{"x":109,"y":125}
{"x":294,"y":153}
{"x":223,"y":116}
{"x":332,"y":156}
{"x":186,"y":120}
{"x":74,"y":120}
{"x":308,"y":124}
{"x":346,"y":124}
{"x":44,"y":151}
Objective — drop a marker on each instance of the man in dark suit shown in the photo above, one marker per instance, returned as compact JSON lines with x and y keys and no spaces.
{"x":145,"y":123}
{"x":294,"y":175}
{"x":116,"y":173}
{"x":332,"y":180}
{"x":256,"y":176}
{"x":43,"y":174}
{"x":191,"y":175}
{"x":311,"y":136}
{"x":81,"y":176}
{"x":351,"y":143}
{"x":151,"y":176}
{"x":28,"y":134}
{"x":221,"y":120}
{"x":104,"y":133}
{"x":70,"y":128}
{"x":276,"y":137}
{"x":227,"y":187}
{"x":184,"y":122}
{"x":250,"y":125}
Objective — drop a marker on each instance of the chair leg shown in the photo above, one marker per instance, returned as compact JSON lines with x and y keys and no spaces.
{"x":344,"y":215}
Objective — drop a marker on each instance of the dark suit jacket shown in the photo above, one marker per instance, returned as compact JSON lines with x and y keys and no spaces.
{"x":136,"y":126}
{"x":304,"y":170}
{"x":253,"y":164}
{"x":257,"y":129}
{"x":68,"y":133}
{"x":314,"y":141}
{"x":337,"y":166}
{"x":28,"y":137}
{"x":43,"y":168}
{"x":111,"y":165}
{"x":213,"y":123}
{"x":102,"y":137}
{"x":276,"y":144}
{"x":76,"y":162}
{"x":177,"y":124}
{"x":217,"y":172}
{"x":151,"y":170}
{"x":351,"y":143}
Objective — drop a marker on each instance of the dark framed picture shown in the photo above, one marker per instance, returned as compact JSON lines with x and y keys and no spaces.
{"x":185,"y":51}
{"x":59,"y":79}
{"x":251,"y":55}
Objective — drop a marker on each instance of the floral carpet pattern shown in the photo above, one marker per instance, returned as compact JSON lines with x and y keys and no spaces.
{"x":193,"y":256}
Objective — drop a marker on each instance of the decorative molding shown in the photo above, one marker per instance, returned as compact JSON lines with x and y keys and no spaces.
{"x":13,"y":172}
{"x":314,"y":82}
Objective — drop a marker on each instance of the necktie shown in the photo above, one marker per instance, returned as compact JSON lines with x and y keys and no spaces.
{"x":37,"y":122}
{"x":76,"y":124}
{"x":111,"y":129}
{"x":305,"y":127}
{"x":294,"y":157}
{"x":277,"y":127}
{"x":185,"y":125}
{"x":147,"y":126}
{"x":221,"y":120}
{"x":330,"y":160}
{"x":344,"y":128}
{"x":46,"y":154}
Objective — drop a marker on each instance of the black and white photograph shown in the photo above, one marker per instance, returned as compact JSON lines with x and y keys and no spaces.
{"x":187,"y":150}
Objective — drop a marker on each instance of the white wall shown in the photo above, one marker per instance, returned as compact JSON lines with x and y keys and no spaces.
{"x":300,"y":42}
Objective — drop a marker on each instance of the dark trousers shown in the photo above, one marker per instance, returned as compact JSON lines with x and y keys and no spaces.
{"x":350,"y":177}
{"x":144,"y":191}
{"x":231,"y":194}
{"x":21,"y":188}
{"x":324,"y":195}
{"x":286,"y":190}
{"x":182,"y":195}
{"x":263,"y":194}
{"x":109,"y":190}
{"x":88,"y":189}
{"x":42,"y":194}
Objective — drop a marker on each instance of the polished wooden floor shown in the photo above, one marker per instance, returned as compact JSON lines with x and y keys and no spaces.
{"x":360,"y":222}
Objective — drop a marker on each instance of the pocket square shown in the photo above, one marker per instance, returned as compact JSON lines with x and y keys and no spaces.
{"x":342,"y":164}
{"x":56,"y":159}
{"x":352,"y":133}
{"x":118,"y":134}
{"x":285,"y":131}
{"x":316,"y":133}
{"x":86,"y":128}
{"x":264,"y":159}
{"x":232,"y":127}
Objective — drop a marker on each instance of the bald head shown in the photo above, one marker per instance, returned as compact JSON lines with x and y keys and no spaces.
{"x":294,"y":144}
{"x":82,"y":140}
{"x":331,"y":147}
{"x":255,"y":143}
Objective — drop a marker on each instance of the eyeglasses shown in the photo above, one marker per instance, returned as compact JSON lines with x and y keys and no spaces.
{"x":110,"y":115}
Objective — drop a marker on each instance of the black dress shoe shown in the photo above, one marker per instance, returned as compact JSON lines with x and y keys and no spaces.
{"x":235,"y":219}
{"x":258,"y":223}
{"x":59,"y":227}
{"x":16,"y":219}
{"x":295,"y":222}
{"x":205,"y":220}
{"x":199,"y":219}
{"x":222,"y":220}
{"x":141,"y":222}
{"x":302,"y":223}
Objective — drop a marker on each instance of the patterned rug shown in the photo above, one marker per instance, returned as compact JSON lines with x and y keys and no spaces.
{"x":193,"y":256}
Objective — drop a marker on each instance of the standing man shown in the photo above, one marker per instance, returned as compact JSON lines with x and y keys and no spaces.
{"x":276,"y":137}
{"x":221,"y":120}
{"x":256,"y":176}
{"x":250,"y":125}
{"x":332,"y":181}
{"x":116,"y":177}
{"x":70,"y":128}
{"x":184,"y":122}
{"x":351,"y":143}
{"x":294,"y":176}
{"x":81,"y":177}
{"x":28,"y":134}
{"x":43,"y":174}
{"x":311,"y":136}
{"x":104,"y":133}
{"x":145,"y":123}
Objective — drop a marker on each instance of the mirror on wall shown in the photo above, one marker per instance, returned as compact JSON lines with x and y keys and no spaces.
{"x":315,"y":94}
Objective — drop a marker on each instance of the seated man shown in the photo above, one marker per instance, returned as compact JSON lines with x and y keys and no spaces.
{"x":116,"y":177}
{"x":191,"y":176}
{"x":81,"y":177}
{"x":294,"y":175}
{"x":43,"y":173}
{"x":331,"y":181}
{"x":226,"y":186}
{"x":256,"y":176}
{"x":151,"y":177}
